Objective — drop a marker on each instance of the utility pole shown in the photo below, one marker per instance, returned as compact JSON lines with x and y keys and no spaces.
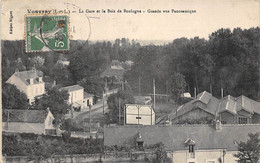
{"x":124,"y":114}
{"x":89,"y":120}
{"x":153,"y":93}
{"x":103,"y":103}
{"x":123,"y":85}
{"x":139,"y":88}
{"x":119,"y":109}
{"x":7,"y":119}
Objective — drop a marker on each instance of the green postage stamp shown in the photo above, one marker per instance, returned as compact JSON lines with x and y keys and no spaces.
{"x":46,"y":33}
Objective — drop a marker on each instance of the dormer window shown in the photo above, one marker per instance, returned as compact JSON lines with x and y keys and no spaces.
{"x":139,"y":141}
{"x":191,"y":144}
{"x":191,"y":148}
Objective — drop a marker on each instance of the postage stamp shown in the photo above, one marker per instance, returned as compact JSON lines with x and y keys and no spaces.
{"x":46,"y":33}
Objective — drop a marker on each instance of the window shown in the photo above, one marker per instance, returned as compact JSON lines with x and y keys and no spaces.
{"x":191,"y":151}
{"x":138,"y":117}
{"x":191,"y":148}
{"x":242,"y":120}
{"x":223,"y":122}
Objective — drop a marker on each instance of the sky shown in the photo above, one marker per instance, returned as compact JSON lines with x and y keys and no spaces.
{"x":209,"y":17}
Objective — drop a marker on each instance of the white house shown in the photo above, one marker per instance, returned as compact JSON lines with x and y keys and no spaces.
{"x":29,"y":82}
{"x":28,"y":121}
{"x":76,"y":95}
{"x":88,"y":99}
{"x":139,"y":114}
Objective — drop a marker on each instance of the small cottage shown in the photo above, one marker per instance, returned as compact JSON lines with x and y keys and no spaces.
{"x":28,"y":121}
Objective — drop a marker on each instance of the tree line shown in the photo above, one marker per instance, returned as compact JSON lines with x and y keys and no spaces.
{"x":228,"y":60}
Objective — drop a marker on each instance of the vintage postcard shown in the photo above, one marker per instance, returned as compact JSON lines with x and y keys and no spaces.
{"x":120,"y":81}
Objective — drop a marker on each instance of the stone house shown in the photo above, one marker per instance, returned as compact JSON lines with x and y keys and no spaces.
{"x":29,"y":82}
{"x":28,"y":121}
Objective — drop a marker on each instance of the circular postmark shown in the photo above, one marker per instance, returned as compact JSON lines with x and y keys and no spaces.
{"x":55,"y":31}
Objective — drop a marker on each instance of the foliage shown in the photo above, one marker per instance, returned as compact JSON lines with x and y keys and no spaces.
{"x":12,"y":98}
{"x":94,"y":85}
{"x":161,"y":154}
{"x":249,"y":151}
{"x":42,"y":147}
{"x":125,"y":97}
{"x":55,"y":100}
{"x":203,"y":120}
{"x":178,"y":85}
{"x":229,"y":60}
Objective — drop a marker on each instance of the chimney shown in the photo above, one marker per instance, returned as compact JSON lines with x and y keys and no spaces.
{"x":222,"y":93}
{"x":17,"y":71}
{"x":40,"y":79}
{"x":195,"y":92}
{"x":31,"y":81}
{"x":218,"y":125}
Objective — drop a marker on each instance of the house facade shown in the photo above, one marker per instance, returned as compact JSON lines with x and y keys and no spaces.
{"x":88,"y":99}
{"x":139,"y":114}
{"x":240,"y":110}
{"x":76,"y":94}
{"x":28,"y":121}
{"x":229,"y":110}
{"x":188,"y":143}
{"x":29,"y":82}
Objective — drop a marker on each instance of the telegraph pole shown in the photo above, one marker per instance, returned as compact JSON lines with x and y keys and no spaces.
{"x":119,"y":108}
{"x":103,"y":103}
{"x":139,"y":84}
{"x":124,"y":114}
{"x":153,"y":93}
{"x":89,"y":120}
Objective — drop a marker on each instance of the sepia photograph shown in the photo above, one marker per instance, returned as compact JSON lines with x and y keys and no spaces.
{"x":129,"y":81}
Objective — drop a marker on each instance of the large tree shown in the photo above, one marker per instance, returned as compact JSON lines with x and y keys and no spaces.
{"x":94,"y":85}
{"x":116,"y":102}
{"x":55,"y":100}
{"x":177,"y":86}
{"x":249,"y":151}
{"x":12,"y":98}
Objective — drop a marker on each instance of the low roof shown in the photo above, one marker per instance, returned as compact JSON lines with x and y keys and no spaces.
{"x":113,"y":72}
{"x":88,"y":95}
{"x":235,"y":105}
{"x":211,"y":104}
{"x":174,"y":136}
{"x":25,"y":76}
{"x":26,"y":116}
{"x":72,"y":88}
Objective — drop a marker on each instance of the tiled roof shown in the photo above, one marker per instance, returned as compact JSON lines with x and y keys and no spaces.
{"x":204,"y":97}
{"x":229,"y":104}
{"x":242,"y":102}
{"x":87,"y":95}
{"x":174,"y":136}
{"x":214,"y":106}
{"x":26,"y":116}
{"x":72,"y":88}
{"x":25,"y":76}
{"x":209,"y":102}
{"x":113,"y":72}
{"x":248,"y":104}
